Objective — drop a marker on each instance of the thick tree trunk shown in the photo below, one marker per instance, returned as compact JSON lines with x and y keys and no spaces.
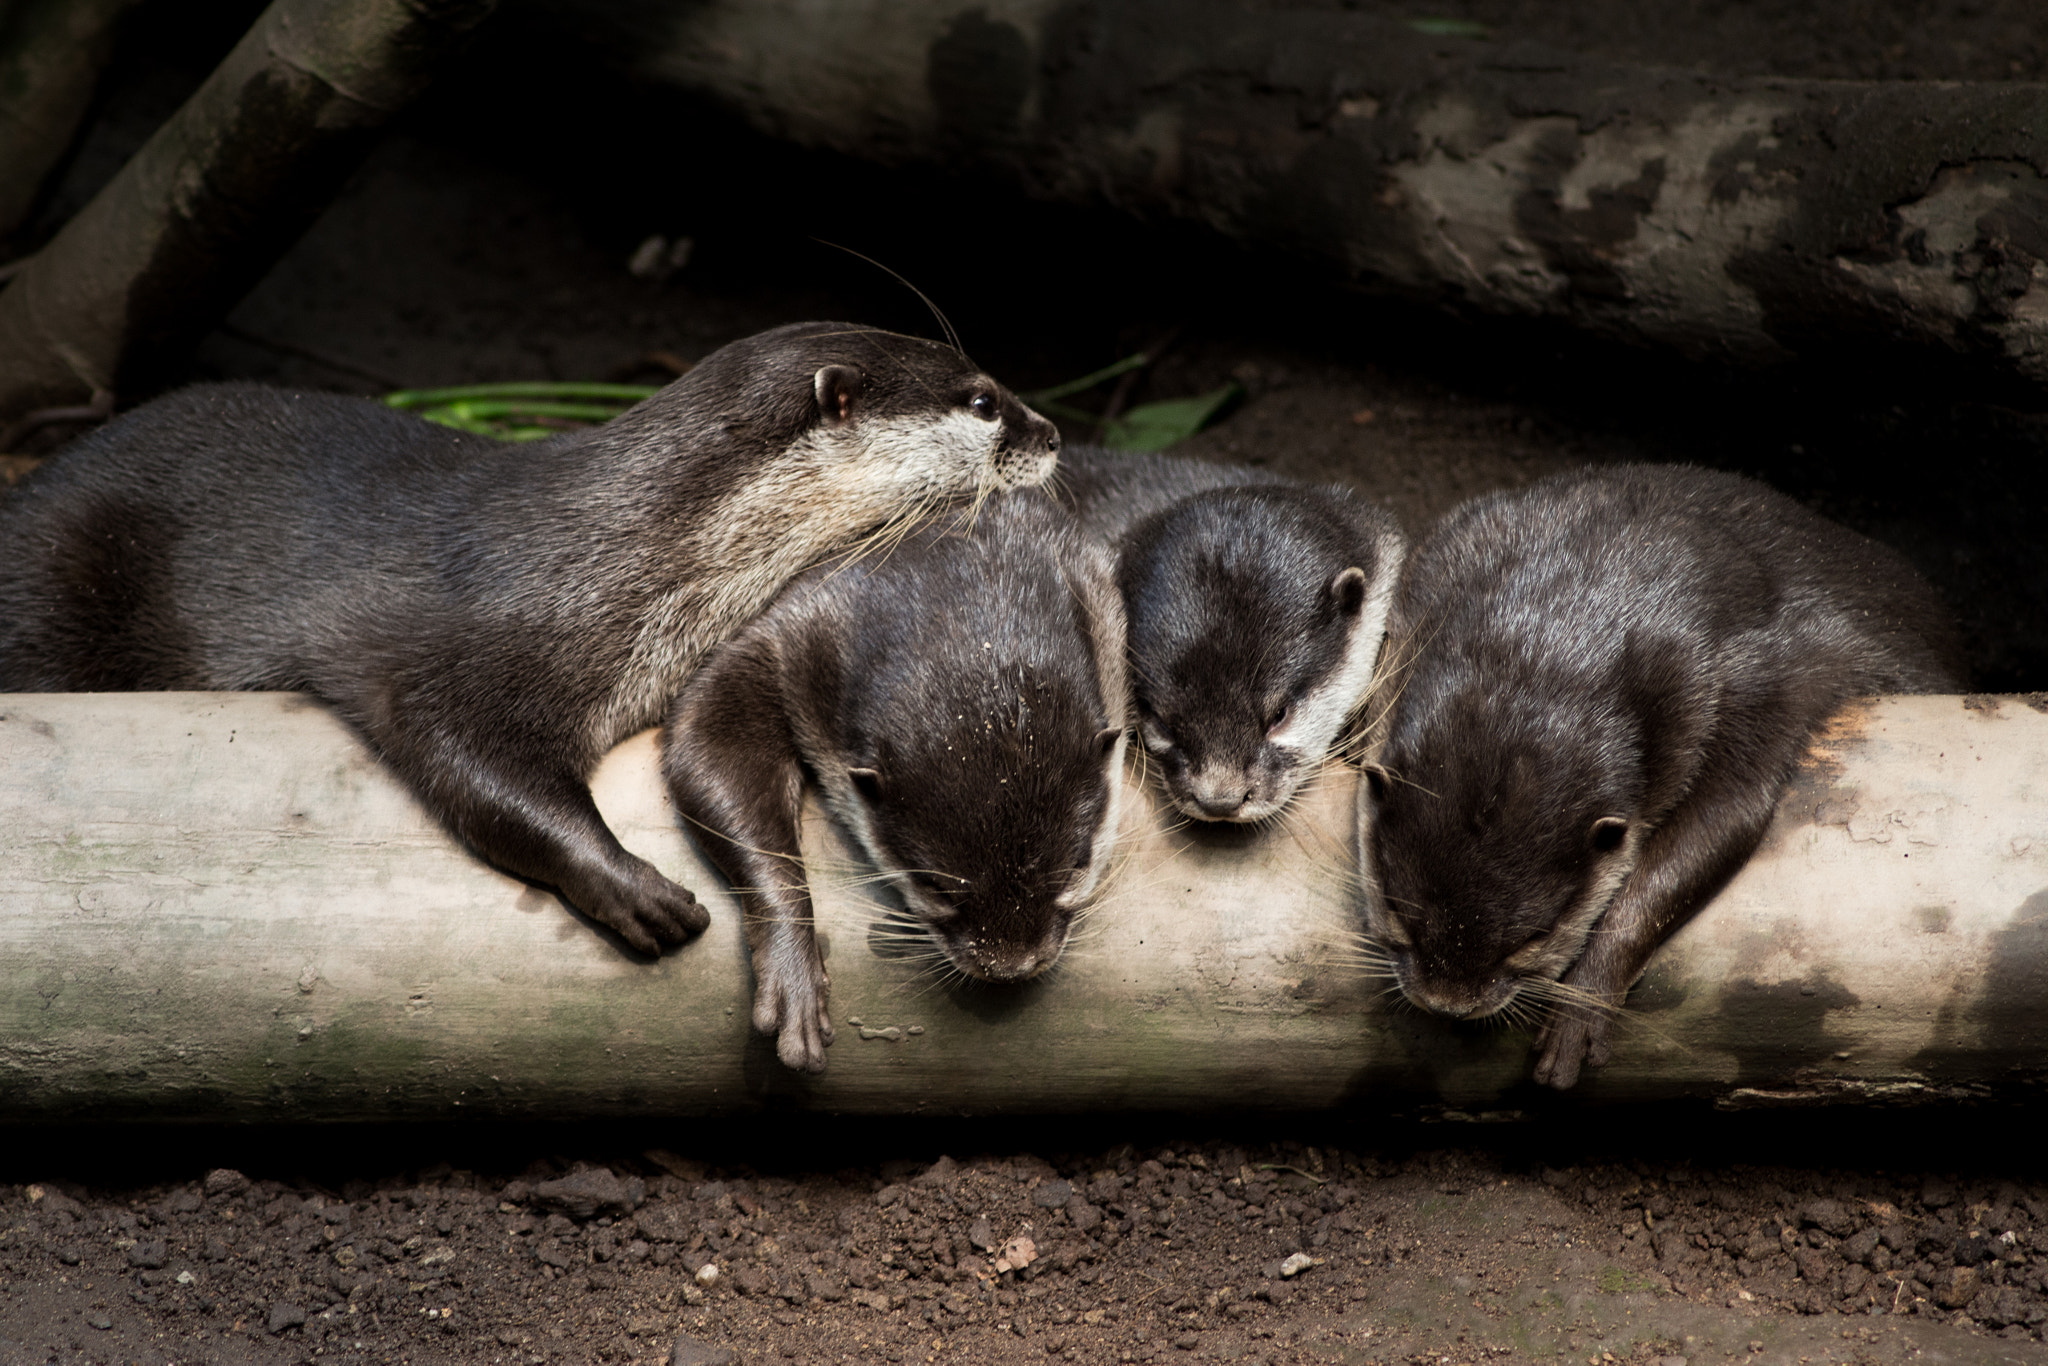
{"x":1748,"y":219}
{"x":231,"y":180}
{"x":218,"y":905}
{"x":51,"y":53}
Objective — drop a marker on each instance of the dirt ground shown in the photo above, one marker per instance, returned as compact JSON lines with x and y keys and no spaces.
{"x":489,"y":240}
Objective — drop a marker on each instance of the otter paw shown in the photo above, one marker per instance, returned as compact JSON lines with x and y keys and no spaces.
{"x":1573,"y":1038}
{"x":647,"y":913}
{"x":791,"y":1003}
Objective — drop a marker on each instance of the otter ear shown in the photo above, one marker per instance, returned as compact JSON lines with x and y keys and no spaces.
{"x":1347,"y":590}
{"x":1106,"y":738}
{"x":867,"y":782}
{"x":1376,"y":783}
{"x":1607,"y":834}
{"x":838,"y":388}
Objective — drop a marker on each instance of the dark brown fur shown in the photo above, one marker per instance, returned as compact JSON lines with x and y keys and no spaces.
{"x":960,"y":702}
{"x":1604,"y":681}
{"x":491,"y":617}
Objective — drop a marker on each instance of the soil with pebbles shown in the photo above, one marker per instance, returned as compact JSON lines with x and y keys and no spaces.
{"x":1211,"y":1250}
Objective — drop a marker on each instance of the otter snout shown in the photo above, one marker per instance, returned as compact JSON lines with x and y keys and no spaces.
{"x":1028,"y":450}
{"x":992,"y":960}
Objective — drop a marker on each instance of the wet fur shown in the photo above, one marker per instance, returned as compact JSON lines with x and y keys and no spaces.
{"x":960,"y":702}
{"x":1604,"y":681}
{"x":1257,"y":607}
{"x":491,"y":617}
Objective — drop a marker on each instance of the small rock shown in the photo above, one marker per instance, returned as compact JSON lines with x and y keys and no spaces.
{"x":691,"y":1351}
{"x":184,"y":1200}
{"x":1972,"y":1249}
{"x":1937,"y":1193}
{"x":664,"y":1223}
{"x":101,"y":1322}
{"x":888,"y":1195}
{"x":590,"y":1192}
{"x":981,"y":1234}
{"x":1084,"y":1216}
{"x":53,"y":1201}
{"x":222,"y":1181}
{"x":707,"y":1274}
{"x":149,"y":1254}
{"x":1829,"y":1216}
{"x":1859,"y":1247}
{"x":67,"y":1254}
{"x":1298,"y":1263}
{"x":1052,"y":1194}
{"x":1187,"y":1342}
{"x":941,"y":1173}
{"x":1958,"y":1290}
{"x":283,"y":1316}
{"x":1670,"y":1361}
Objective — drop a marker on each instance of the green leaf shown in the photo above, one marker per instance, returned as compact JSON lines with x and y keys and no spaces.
{"x":1155,"y":426}
{"x":1451,"y":28}
{"x":1039,"y":398}
{"x":536,"y":389}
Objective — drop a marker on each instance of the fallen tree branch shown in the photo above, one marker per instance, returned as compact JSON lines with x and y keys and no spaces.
{"x":1749,"y":220}
{"x":220,"y":906}
{"x":51,"y":55}
{"x":202,"y":211}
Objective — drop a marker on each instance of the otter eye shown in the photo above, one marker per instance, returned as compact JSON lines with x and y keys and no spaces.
{"x":1278,"y":719}
{"x":983,"y":406}
{"x":1607,"y":834}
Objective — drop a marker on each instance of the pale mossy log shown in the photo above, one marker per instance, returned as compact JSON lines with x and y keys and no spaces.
{"x":219,"y":906}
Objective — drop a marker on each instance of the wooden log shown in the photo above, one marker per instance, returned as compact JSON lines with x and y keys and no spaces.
{"x":1751,"y":220}
{"x":51,"y":55}
{"x":197,"y":216}
{"x":219,"y":906}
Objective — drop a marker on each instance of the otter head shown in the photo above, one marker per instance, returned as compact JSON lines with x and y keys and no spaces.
{"x":897,"y":419}
{"x":996,"y":823}
{"x":1255,"y":618}
{"x":1496,"y":824}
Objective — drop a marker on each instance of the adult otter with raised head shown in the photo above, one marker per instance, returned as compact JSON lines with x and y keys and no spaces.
{"x":491,"y":617}
{"x":1603,"y":683}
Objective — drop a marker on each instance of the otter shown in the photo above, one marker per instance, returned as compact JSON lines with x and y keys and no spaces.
{"x":490,"y":617}
{"x":1256,"y":607}
{"x":960,"y":703}
{"x":1603,"y":682}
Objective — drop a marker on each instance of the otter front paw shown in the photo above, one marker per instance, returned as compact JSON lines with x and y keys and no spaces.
{"x":790,"y":1002}
{"x":1575,"y":1036}
{"x":647,"y":912}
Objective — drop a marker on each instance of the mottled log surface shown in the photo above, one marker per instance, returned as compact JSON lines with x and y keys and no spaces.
{"x":218,"y":905}
{"x":1751,"y":220}
{"x":213,"y":199}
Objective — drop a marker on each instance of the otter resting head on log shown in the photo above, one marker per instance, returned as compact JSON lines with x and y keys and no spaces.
{"x":1256,"y":605}
{"x":491,"y":617}
{"x":960,"y":700}
{"x":1604,"y":681}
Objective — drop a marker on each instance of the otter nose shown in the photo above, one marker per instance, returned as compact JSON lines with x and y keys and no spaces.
{"x":1220,"y":806}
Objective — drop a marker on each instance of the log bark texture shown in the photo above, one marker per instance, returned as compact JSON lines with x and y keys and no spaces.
{"x":213,"y":199}
{"x":1751,"y":220}
{"x":219,"y":906}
